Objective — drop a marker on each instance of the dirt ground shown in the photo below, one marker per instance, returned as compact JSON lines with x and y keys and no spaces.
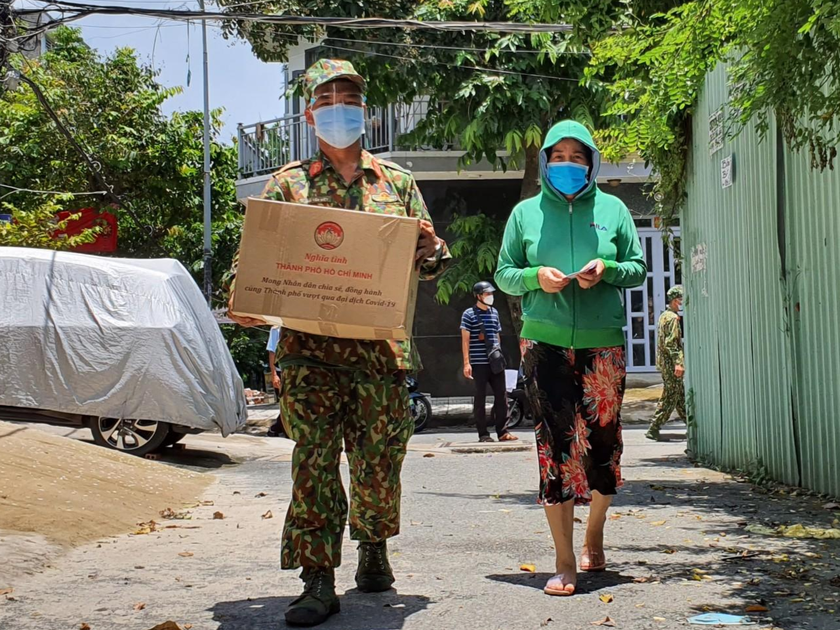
{"x":56,"y":492}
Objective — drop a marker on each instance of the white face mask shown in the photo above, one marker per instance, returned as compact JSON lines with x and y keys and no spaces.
{"x":487,"y":299}
{"x":339,"y":125}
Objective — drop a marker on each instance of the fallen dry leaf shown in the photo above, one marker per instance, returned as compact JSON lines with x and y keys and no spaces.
{"x":543,"y":624}
{"x":146,"y":528}
{"x":186,"y":554}
{"x":218,"y":516}
{"x":528,"y":568}
{"x":268,"y":515}
{"x":669,"y":551}
{"x":606,"y":621}
{"x":235,"y":492}
{"x":260,"y":495}
{"x":658,"y":523}
{"x":755,"y":608}
{"x":84,"y":626}
{"x":188,"y":626}
{"x":206,"y":503}
{"x":577,"y":520}
{"x":641,"y":580}
{"x":6,"y":591}
{"x":659,"y":619}
{"x":429,"y":455}
{"x":607,"y":598}
{"x":167,"y":625}
{"x":139,"y":606}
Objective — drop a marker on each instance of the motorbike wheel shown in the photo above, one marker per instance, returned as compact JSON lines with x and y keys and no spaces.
{"x":421,"y":411}
{"x":515,"y":413}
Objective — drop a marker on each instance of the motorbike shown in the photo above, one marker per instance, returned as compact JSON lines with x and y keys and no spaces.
{"x":420,"y":405}
{"x":518,"y":406}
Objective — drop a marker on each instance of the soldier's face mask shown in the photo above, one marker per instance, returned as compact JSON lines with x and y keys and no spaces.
{"x":339,"y":116}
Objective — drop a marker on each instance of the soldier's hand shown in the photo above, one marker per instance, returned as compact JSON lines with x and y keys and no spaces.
{"x":679,"y":371}
{"x":275,"y":381}
{"x":427,"y":243}
{"x":552,"y":280}
{"x":242,"y":320}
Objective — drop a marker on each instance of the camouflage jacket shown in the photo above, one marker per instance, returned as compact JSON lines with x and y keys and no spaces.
{"x":669,"y":346}
{"x":378,"y":186}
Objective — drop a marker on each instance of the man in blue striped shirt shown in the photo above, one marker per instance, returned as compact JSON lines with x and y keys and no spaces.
{"x":477,"y":363}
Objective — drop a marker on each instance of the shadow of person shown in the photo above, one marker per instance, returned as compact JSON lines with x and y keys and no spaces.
{"x":586,"y":582}
{"x":383,"y":611}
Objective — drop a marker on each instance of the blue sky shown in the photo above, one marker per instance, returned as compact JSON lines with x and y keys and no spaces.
{"x":248,"y":89}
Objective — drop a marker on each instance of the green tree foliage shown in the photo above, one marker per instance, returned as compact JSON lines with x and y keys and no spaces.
{"x":784,"y":58}
{"x":112,"y":105}
{"x":38,"y":226}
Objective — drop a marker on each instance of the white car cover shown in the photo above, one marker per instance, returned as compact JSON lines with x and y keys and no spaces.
{"x":113,"y":337}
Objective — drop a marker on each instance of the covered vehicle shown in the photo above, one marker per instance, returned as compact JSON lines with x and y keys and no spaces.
{"x":127,"y":347}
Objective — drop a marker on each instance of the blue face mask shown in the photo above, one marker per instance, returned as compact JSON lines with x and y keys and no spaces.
{"x":567,"y":177}
{"x":339,"y":125}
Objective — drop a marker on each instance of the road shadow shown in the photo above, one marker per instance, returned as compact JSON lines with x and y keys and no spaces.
{"x":587,"y":582}
{"x":194,"y":458}
{"x":385,"y":611}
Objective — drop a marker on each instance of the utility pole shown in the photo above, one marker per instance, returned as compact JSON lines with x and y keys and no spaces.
{"x":208,"y":244}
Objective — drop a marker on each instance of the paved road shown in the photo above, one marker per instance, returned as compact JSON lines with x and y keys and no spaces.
{"x":677,"y":546}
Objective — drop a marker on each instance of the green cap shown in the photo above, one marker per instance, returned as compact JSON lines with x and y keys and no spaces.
{"x":674,"y":293}
{"x":326,"y":70}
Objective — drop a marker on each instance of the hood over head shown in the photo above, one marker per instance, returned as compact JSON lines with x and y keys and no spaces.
{"x":576,"y":131}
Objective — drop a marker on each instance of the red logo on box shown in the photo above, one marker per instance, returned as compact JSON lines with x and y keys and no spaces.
{"x":329,"y":235}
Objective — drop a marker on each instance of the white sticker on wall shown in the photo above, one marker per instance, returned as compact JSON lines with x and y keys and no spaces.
{"x":698,"y":258}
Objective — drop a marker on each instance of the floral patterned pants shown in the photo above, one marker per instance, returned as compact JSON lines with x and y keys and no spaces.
{"x":576,"y":398}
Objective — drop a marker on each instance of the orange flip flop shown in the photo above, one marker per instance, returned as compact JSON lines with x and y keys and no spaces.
{"x":508,"y":437}
{"x":587,"y":561}
{"x":557,"y":587}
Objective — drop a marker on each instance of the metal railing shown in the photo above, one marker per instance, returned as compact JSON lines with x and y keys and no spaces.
{"x":266,"y":146}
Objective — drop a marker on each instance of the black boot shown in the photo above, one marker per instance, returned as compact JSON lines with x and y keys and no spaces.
{"x":318,"y":601}
{"x":374,"y":574}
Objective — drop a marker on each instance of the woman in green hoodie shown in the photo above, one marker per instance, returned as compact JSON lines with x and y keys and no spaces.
{"x":570,"y":251}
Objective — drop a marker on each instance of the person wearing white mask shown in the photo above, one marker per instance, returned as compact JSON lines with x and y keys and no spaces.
{"x":483,"y":361}
{"x":345,"y":394}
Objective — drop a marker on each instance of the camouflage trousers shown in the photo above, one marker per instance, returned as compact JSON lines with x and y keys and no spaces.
{"x":367,"y":414}
{"x":673,"y":398}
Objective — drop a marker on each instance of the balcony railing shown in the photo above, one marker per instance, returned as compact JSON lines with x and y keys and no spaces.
{"x":266,"y":146}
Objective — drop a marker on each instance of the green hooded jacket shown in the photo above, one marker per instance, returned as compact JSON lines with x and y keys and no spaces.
{"x":549,"y":231}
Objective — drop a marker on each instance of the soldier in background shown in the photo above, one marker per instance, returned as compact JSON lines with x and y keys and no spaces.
{"x":670,"y":362}
{"x":345,"y":392}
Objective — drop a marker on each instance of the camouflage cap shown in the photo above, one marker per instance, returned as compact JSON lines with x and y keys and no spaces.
{"x":326,"y":70}
{"x":674,"y":293}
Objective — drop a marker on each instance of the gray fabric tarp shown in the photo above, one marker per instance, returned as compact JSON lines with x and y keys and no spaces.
{"x":113,"y":337}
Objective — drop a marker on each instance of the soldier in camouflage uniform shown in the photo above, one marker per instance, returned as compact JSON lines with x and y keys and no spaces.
{"x":671,"y":364}
{"x":345,"y":392}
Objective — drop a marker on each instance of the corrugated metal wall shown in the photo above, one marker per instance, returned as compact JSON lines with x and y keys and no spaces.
{"x":758,"y":382}
{"x":813,"y":266}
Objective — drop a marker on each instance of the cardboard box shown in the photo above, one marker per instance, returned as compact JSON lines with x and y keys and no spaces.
{"x":325,"y":271}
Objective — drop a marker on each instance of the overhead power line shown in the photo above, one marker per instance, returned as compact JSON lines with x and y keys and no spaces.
{"x":458,"y":65}
{"x":74,"y":11}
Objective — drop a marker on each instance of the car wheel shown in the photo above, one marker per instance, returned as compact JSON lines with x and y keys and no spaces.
{"x":421,"y":412}
{"x":136,"y":437}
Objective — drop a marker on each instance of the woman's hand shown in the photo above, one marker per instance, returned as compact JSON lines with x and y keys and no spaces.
{"x":552,"y":280}
{"x":592,"y":274}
